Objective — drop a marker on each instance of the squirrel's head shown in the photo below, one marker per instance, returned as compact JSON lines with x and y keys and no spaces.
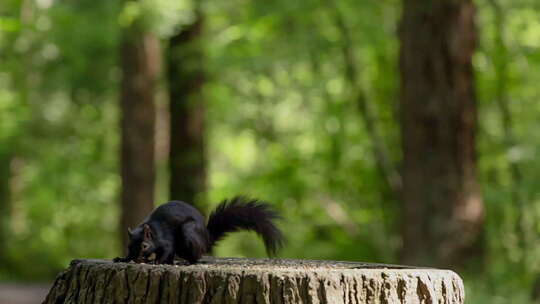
{"x":147,"y":245}
{"x":141,"y":242}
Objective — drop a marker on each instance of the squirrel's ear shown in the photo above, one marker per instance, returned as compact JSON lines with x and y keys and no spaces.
{"x":147,"y":232}
{"x":130,"y":232}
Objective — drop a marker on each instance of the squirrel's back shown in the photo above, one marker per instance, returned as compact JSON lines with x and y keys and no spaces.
{"x":175,"y":213}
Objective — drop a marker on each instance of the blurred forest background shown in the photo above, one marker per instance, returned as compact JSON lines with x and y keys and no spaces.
{"x":384,"y":130}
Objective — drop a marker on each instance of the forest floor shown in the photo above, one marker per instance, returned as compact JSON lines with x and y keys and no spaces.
{"x":23,"y":293}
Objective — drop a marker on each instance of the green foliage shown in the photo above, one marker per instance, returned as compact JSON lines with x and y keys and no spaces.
{"x":57,"y":86}
{"x":289,"y":129}
{"x":284,"y":125}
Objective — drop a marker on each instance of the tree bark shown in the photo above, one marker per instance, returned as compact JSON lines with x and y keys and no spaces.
{"x":253,"y":281}
{"x":140,"y":65}
{"x":443,"y":208}
{"x":187,"y":160}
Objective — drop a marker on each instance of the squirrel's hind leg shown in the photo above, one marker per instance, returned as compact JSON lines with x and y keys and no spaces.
{"x":192,"y":244}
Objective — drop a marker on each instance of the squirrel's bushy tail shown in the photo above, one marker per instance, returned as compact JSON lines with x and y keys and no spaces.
{"x":241,"y":213}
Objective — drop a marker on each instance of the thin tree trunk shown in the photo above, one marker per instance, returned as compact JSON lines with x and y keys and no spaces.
{"x":5,"y":203}
{"x":140,"y":65}
{"x":443,"y":208}
{"x":381,"y":154}
{"x":501,"y":59}
{"x":187,"y":160}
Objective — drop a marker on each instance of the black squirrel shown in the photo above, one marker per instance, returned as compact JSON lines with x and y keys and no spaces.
{"x":178,"y":228}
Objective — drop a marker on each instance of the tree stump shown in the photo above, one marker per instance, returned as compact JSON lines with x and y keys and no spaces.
{"x":231,"y":280}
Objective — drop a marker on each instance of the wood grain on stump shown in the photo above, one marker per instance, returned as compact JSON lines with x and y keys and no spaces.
{"x":253,"y":281}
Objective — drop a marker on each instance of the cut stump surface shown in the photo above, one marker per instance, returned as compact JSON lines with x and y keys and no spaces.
{"x":228,"y":280}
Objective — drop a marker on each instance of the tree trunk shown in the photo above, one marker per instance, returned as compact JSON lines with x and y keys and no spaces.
{"x":140,"y":66}
{"x":187,"y":161}
{"x":443,"y":208}
{"x":253,"y":281}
